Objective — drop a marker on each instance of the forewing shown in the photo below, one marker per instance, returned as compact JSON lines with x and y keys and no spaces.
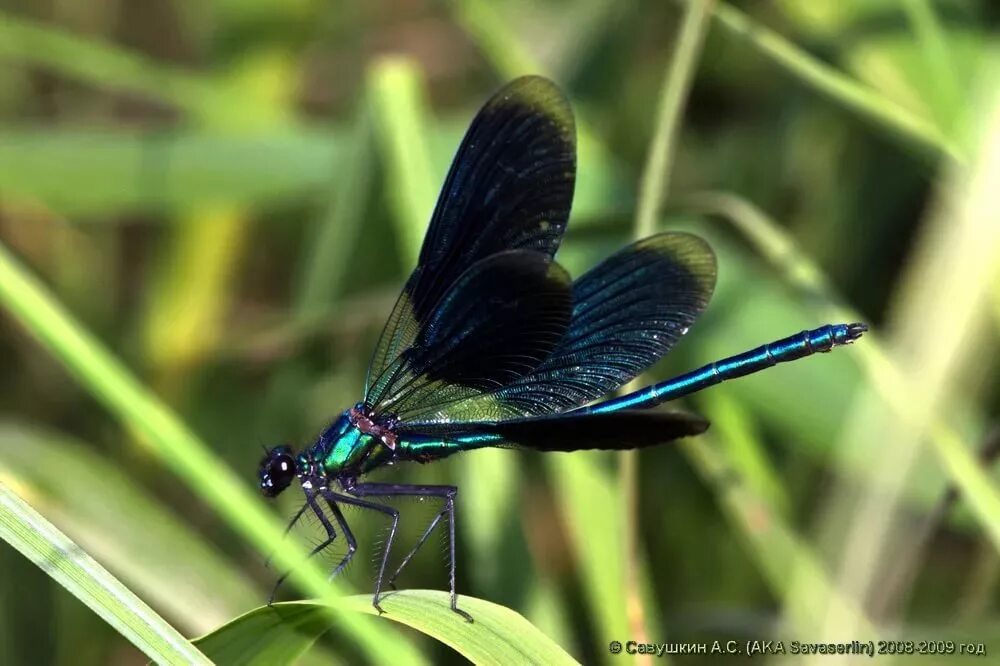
{"x":628,"y":312}
{"x":499,"y":321}
{"x":510,"y":187}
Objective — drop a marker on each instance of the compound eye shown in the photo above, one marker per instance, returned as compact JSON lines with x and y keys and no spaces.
{"x":277,"y":471}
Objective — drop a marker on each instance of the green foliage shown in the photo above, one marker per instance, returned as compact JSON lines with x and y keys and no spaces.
{"x":277,"y":634}
{"x":209,"y":249}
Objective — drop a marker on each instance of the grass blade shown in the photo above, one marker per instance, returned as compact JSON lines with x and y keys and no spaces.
{"x":498,"y":635}
{"x":172,"y":441}
{"x":39,"y":541}
{"x":139,"y":541}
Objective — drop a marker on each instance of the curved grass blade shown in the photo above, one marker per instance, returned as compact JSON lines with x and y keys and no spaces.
{"x":70,"y":566}
{"x":170,"y":439}
{"x":139,"y":541}
{"x":498,"y":635}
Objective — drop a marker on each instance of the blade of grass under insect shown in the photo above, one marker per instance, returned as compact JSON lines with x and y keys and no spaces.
{"x":103,"y":64}
{"x":179,"y":448}
{"x":498,"y":635}
{"x":838,"y":87}
{"x":39,"y":541}
{"x":140,"y":540}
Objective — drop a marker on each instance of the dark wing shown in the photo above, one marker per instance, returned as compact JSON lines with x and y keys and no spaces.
{"x":498,"y":322}
{"x":570,"y":432}
{"x":627,"y":313}
{"x":510,"y":187}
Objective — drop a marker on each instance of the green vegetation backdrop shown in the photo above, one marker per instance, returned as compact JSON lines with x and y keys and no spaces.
{"x":207,"y":209}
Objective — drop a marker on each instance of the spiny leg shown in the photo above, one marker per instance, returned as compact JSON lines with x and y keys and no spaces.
{"x":406,"y":560}
{"x":288,"y":528}
{"x":352,"y":544}
{"x":331,"y":534}
{"x":332,"y":498}
{"x":445,"y":492}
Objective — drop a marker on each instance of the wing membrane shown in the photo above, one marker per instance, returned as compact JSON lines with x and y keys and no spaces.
{"x":628,"y":312}
{"x":510,"y":187}
{"x":497,"y":323}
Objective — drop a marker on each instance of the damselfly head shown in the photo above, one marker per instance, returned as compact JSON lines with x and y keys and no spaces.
{"x":277,"y":470}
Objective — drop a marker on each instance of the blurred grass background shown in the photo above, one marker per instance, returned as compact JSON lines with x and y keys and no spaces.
{"x":229,"y":195}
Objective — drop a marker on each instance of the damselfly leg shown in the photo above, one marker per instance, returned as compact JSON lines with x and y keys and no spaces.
{"x":446,"y":493}
{"x":333,"y":498}
{"x":331,"y":534}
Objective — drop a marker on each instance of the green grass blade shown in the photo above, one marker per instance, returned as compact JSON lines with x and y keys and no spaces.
{"x":172,"y":441}
{"x":743,"y":450}
{"x":139,"y":541}
{"x":182,"y":326}
{"x":39,"y":541}
{"x":498,"y":635}
{"x":498,"y":42}
{"x":838,"y":87}
{"x":267,"y":636}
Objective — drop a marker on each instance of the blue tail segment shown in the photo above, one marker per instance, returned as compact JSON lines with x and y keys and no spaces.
{"x":803,"y":344}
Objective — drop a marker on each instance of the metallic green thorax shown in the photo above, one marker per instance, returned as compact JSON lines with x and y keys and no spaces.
{"x":345,"y":449}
